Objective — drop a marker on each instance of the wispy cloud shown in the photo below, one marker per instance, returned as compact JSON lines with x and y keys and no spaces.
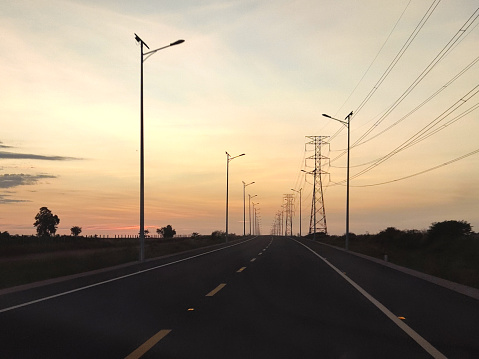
{"x":14,"y":180}
{"x":5,"y":200}
{"x":13,"y":155}
{"x":4,"y":146}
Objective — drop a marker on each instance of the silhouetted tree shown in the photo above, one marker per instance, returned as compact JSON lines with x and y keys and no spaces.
{"x":75,"y":230}
{"x":166,"y":232}
{"x":449,"y":229}
{"x":218,"y":234}
{"x":46,"y":222}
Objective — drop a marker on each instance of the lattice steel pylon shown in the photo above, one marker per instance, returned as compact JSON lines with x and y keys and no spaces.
{"x":289,"y":209}
{"x":317,"y":222}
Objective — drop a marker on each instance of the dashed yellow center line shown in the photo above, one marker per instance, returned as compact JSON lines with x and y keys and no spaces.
{"x":150,"y":343}
{"x":216,"y":290}
{"x":241,"y":269}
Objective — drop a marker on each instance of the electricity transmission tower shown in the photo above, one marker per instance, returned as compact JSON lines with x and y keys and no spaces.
{"x":289,"y":209}
{"x":317,"y":223}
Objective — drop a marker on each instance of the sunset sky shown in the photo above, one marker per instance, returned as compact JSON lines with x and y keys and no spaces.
{"x":251,"y":77}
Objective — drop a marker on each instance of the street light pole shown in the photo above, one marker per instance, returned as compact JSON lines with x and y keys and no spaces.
{"x":249,"y":210}
{"x":244,"y":206}
{"x":254,"y":218}
{"x":300,"y":190}
{"x":228,"y":160}
{"x":142,"y":151}
{"x":346,"y":122}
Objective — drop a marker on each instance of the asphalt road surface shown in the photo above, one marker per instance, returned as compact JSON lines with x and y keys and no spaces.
{"x":269,"y":297}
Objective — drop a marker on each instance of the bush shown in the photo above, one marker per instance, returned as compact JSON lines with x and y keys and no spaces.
{"x":218,"y":234}
{"x":449,"y":230}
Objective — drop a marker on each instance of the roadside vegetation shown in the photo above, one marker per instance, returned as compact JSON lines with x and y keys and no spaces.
{"x":27,"y":259}
{"x":448,"y":249}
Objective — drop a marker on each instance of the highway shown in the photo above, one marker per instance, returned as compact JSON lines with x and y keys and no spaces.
{"x":268,"y":297}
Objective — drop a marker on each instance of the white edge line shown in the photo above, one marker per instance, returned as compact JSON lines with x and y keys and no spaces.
{"x":115,"y":279}
{"x":407,"y":329}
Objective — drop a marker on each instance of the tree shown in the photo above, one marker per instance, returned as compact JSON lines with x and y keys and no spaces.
{"x":46,"y":222}
{"x":449,"y":229}
{"x":75,"y":231}
{"x":218,"y":234}
{"x":166,"y":232}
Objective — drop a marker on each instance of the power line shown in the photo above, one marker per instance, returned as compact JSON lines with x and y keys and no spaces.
{"x":422,"y":172}
{"x":375,"y":57}
{"x":445,"y":50}
{"x":464,"y":70}
{"x":427,"y":130}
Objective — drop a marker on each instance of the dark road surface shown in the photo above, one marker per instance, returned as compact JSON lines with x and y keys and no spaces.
{"x":270,"y":297}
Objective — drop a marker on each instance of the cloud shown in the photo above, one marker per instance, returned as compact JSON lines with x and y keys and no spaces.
{"x":14,"y":180}
{"x":5,"y":200}
{"x":12,"y":155}
{"x":4,"y":146}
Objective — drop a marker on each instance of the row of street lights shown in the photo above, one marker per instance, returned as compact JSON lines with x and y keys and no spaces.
{"x":143,"y":57}
{"x":229,"y":158}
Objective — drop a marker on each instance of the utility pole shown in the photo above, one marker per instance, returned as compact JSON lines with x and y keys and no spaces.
{"x":300,"y":205}
{"x":317,"y":223}
{"x":288,"y":199}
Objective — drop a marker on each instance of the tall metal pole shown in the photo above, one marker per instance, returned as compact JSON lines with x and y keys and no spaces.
{"x":249,"y":210}
{"x":347,"y":186}
{"x":142,"y":166}
{"x":244,"y":209}
{"x":142,"y":147}
{"x":300,"y":190}
{"x":244,"y":206}
{"x":346,"y":122}
{"x":228,"y":159}
{"x":227,"y":189}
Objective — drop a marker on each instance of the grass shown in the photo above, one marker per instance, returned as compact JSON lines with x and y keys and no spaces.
{"x":29,"y":259}
{"x":454,"y":259}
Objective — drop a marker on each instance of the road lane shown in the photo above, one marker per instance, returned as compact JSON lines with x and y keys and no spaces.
{"x":447,"y":319}
{"x":115,"y":318}
{"x":286,"y":303}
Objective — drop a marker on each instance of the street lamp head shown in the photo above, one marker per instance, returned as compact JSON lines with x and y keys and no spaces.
{"x":177,"y":42}
{"x":325,"y":115}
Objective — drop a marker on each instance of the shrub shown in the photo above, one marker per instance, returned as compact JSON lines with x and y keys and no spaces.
{"x":449,"y":230}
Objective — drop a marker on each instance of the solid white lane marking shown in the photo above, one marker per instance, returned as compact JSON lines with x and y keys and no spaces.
{"x":150,"y":343}
{"x":116,"y":278}
{"x":408,"y":330}
{"x":216,"y":290}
